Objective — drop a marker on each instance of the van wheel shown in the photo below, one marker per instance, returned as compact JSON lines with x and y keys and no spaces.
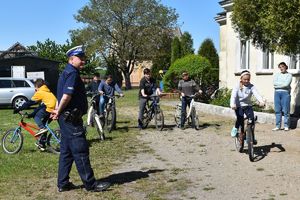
{"x":19,"y":101}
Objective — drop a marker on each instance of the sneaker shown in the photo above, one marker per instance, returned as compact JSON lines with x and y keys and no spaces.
{"x":40,"y":132}
{"x":40,"y":146}
{"x":182,"y":127}
{"x":286,"y":129}
{"x":234,"y":132}
{"x":276,"y":129}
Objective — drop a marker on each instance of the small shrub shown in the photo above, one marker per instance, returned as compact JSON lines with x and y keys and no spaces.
{"x":222,"y":97}
{"x":198,"y":67}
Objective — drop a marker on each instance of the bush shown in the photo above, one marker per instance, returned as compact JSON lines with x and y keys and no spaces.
{"x":197,"y":67}
{"x":222,"y":97}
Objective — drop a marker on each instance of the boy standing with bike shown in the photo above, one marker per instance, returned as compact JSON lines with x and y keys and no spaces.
{"x":148,"y":87}
{"x":187,"y":88}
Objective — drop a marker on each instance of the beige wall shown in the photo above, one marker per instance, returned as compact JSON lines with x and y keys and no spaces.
{"x":262,"y":78}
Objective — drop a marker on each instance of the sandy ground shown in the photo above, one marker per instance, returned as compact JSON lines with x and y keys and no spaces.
{"x":211,"y":168}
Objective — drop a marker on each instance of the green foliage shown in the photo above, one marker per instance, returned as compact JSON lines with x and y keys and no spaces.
{"x":198,"y":67}
{"x":131,"y":30}
{"x":112,"y":69}
{"x":272,"y":24}
{"x":52,"y":51}
{"x":187,"y":44}
{"x":208,"y":50}
{"x":176,"y":51}
{"x":222,"y":98}
{"x":162,"y":60}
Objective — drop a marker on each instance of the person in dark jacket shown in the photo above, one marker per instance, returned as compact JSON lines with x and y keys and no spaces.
{"x":72,"y":105}
{"x":93,"y":86}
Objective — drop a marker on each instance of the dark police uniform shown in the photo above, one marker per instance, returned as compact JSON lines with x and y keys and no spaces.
{"x":74,"y":146}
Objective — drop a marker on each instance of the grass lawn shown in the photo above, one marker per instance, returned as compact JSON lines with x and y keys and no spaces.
{"x":32,"y":174}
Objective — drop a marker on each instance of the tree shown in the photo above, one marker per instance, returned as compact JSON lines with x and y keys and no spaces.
{"x":199,"y":69}
{"x":186,"y":41}
{"x":176,"y":51}
{"x":270,"y":24}
{"x":52,"y":51}
{"x":129,"y":29}
{"x":208,"y":50}
{"x":162,"y":60}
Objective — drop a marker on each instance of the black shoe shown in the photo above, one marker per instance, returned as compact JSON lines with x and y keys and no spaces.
{"x":182,"y":127}
{"x":69,"y":186}
{"x":100,"y":186}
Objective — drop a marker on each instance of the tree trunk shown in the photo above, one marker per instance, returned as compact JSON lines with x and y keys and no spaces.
{"x":127,"y":81}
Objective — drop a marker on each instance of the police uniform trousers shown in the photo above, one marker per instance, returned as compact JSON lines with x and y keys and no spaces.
{"x":74,"y":147}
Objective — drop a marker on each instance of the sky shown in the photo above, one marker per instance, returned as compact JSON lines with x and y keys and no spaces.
{"x":30,"y":21}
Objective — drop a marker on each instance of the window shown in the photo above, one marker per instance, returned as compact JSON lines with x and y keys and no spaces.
{"x":268,"y":60}
{"x":20,"y":83}
{"x":5,"y":84}
{"x":244,"y":55}
{"x":294,"y":62}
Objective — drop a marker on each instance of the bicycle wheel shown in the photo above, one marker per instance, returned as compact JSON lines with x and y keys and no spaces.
{"x":91,"y":117}
{"x":53,"y":141}
{"x":12,"y":141}
{"x":110,"y":119}
{"x":239,"y":147}
{"x":159,"y":118}
{"x":195,"y":119}
{"x":177,"y":115}
{"x":146,"y":118}
{"x":249,"y":136}
{"x":100,"y":127}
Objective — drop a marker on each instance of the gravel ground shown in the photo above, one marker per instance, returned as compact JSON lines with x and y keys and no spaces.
{"x":209,"y":166}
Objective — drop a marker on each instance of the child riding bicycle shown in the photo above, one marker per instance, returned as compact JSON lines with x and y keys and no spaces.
{"x":240,"y":101}
{"x":42,"y":113}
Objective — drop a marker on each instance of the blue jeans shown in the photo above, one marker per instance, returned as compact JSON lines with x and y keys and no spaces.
{"x":185,"y":101}
{"x":102,"y":103}
{"x":240,"y":112}
{"x":41,"y":117}
{"x":282,"y":100}
{"x":74,"y":147}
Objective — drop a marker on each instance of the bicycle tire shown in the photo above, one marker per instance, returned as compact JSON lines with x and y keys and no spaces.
{"x":238,"y":146}
{"x":110,"y":119}
{"x":100,"y":130}
{"x":195,"y":119}
{"x":177,"y":116}
{"x":146,"y":119}
{"x":249,"y":136}
{"x":12,"y":141}
{"x":53,"y":145}
{"x":159,"y":119}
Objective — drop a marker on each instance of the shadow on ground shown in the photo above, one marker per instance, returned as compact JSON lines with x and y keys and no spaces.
{"x":262,"y":151}
{"x":127,"y":177}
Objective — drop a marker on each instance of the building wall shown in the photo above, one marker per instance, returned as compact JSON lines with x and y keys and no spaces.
{"x":32,"y":64}
{"x":230,"y":62}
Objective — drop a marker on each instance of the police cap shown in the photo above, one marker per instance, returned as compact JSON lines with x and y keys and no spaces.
{"x":76,"y":51}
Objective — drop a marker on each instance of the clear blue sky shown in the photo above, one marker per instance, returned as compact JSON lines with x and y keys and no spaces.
{"x":29,"y":21}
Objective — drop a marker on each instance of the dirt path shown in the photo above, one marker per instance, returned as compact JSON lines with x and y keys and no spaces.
{"x":204,"y":164}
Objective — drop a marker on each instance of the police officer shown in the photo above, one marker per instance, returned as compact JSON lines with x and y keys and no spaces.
{"x":72,"y":104}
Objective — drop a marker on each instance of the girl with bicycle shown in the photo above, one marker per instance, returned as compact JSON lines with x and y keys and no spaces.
{"x":240,"y":101}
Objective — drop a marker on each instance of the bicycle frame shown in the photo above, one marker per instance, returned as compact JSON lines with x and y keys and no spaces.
{"x":151,"y":107}
{"x":32,"y":128}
